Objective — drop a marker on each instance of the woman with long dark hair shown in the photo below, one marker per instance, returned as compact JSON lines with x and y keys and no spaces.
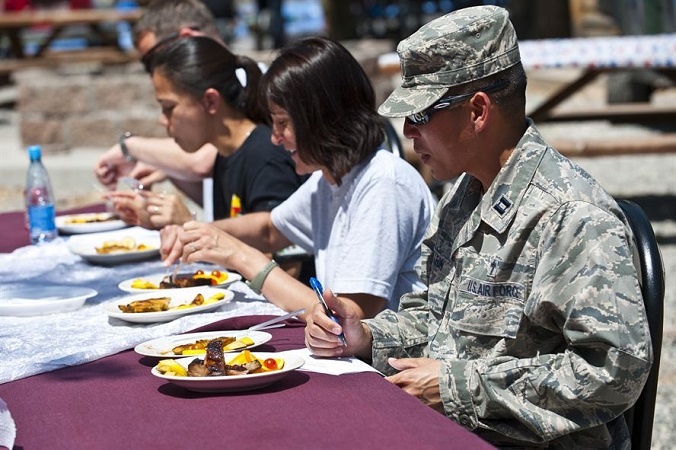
{"x":363,"y":211}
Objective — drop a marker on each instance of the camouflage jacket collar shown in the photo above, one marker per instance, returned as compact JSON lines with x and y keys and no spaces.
{"x":501,"y":201}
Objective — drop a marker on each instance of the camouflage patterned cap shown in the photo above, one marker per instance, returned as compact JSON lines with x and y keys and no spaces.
{"x":462,"y":46}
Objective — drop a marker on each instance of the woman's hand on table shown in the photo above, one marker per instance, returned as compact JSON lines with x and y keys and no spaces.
{"x":148,"y":209}
{"x":420,"y":378}
{"x":171,"y":247}
{"x":165,"y":209}
{"x":205,"y":242}
{"x":129,"y":206}
{"x":322,"y":333}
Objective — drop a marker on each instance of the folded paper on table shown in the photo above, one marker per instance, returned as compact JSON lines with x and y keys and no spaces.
{"x":330,"y":366}
{"x":7,"y":427}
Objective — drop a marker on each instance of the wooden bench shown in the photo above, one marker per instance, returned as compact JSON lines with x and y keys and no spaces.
{"x":55,"y":22}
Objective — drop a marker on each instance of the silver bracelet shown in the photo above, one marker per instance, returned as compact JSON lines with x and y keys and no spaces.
{"x":256,"y":284}
{"x":123,"y":146}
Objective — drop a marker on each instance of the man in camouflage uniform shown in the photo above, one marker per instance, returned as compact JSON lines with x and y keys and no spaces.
{"x":532,"y":331}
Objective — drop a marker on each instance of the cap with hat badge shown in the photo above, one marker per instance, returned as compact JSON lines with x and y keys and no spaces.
{"x":463,"y":46}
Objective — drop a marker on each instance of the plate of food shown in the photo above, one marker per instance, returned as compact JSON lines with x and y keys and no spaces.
{"x":164,"y":307}
{"x":119,"y":249}
{"x":191,"y":279}
{"x":88,"y":223}
{"x":39,"y":300}
{"x":194,"y":344}
{"x":221,"y":372}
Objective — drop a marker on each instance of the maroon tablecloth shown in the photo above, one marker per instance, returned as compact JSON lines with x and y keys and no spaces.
{"x":116,"y":403}
{"x":14,"y":233}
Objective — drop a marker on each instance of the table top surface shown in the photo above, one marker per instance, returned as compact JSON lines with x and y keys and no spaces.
{"x":71,"y":380}
{"x":15,"y":234}
{"x":115,"y":402}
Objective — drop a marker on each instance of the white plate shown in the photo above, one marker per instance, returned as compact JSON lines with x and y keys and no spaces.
{"x":64,"y":225}
{"x":157,"y":277}
{"x":178,"y":297}
{"x":40,"y":300}
{"x":161,"y":347}
{"x":85,"y":247}
{"x":233,"y":383}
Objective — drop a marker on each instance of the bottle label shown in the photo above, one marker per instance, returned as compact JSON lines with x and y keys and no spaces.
{"x":41,"y":219}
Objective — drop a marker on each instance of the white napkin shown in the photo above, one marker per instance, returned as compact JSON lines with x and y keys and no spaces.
{"x":7,"y":427}
{"x":330,"y":366}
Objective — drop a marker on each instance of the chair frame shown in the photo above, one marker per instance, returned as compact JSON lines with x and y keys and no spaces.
{"x":640,"y":416}
{"x":392,"y":140}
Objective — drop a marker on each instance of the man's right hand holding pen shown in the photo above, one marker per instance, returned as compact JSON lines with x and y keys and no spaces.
{"x":322,"y":334}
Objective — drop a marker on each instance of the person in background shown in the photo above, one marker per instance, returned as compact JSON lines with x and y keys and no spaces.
{"x":532,"y":330}
{"x":270,"y":15}
{"x":203,"y":101}
{"x":363,"y":211}
{"x":151,"y":160}
{"x":225,"y":17}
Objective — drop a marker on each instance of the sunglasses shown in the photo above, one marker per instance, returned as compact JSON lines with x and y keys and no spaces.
{"x":147,"y":57}
{"x":423,"y":117}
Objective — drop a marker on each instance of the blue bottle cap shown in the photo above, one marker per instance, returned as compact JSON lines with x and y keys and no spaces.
{"x":126,"y":5}
{"x":34,"y":152}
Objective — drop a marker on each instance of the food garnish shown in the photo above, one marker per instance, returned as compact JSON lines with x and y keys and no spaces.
{"x":172,"y":368}
{"x":270,"y":363}
{"x":199,"y":347}
{"x":162,"y":304}
{"x":143,"y":284}
{"x":90,"y":218}
{"x":214,"y":363}
{"x":199,"y":278}
{"x":149,"y":305}
{"x":246,"y":357}
{"x":126,"y":244}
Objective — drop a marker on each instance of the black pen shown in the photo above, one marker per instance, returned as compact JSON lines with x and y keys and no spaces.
{"x":319,"y":290}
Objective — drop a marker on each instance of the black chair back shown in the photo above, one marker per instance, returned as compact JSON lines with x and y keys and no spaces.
{"x":640,"y":416}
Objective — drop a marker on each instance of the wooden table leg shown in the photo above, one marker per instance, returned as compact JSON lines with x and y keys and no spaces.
{"x":107,"y":39}
{"x":45,"y":45}
{"x":15,"y":44}
{"x":541,"y":113}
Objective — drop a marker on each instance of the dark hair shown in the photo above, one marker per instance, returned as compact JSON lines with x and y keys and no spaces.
{"x":164,"y":17}
{"x":330,"y":101}
{"x":512,"y":98}
{"x":194,"y":64}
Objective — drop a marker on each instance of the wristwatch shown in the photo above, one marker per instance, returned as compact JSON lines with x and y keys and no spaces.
{"x":123,"y":146}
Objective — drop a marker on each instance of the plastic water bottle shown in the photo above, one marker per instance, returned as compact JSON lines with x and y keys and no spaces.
{"x":39,"y":199}
{"x":125,"y":39}
{"x":124,"y":36}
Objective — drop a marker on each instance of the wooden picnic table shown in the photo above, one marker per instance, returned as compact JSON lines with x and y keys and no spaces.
{"x":596,"y":56}
{"x":593,"y":56}
{"x":14,"y":24}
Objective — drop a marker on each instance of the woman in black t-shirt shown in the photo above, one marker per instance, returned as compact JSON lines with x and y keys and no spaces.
{"x":203,"y":100}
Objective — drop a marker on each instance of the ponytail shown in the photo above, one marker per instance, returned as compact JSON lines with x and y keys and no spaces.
{"x":248,"y":101}
{"x":196,"y":63}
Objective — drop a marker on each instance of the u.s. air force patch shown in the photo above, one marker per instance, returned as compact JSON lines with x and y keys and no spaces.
{"x":496,"y":290}
{"x":488,"y":308}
